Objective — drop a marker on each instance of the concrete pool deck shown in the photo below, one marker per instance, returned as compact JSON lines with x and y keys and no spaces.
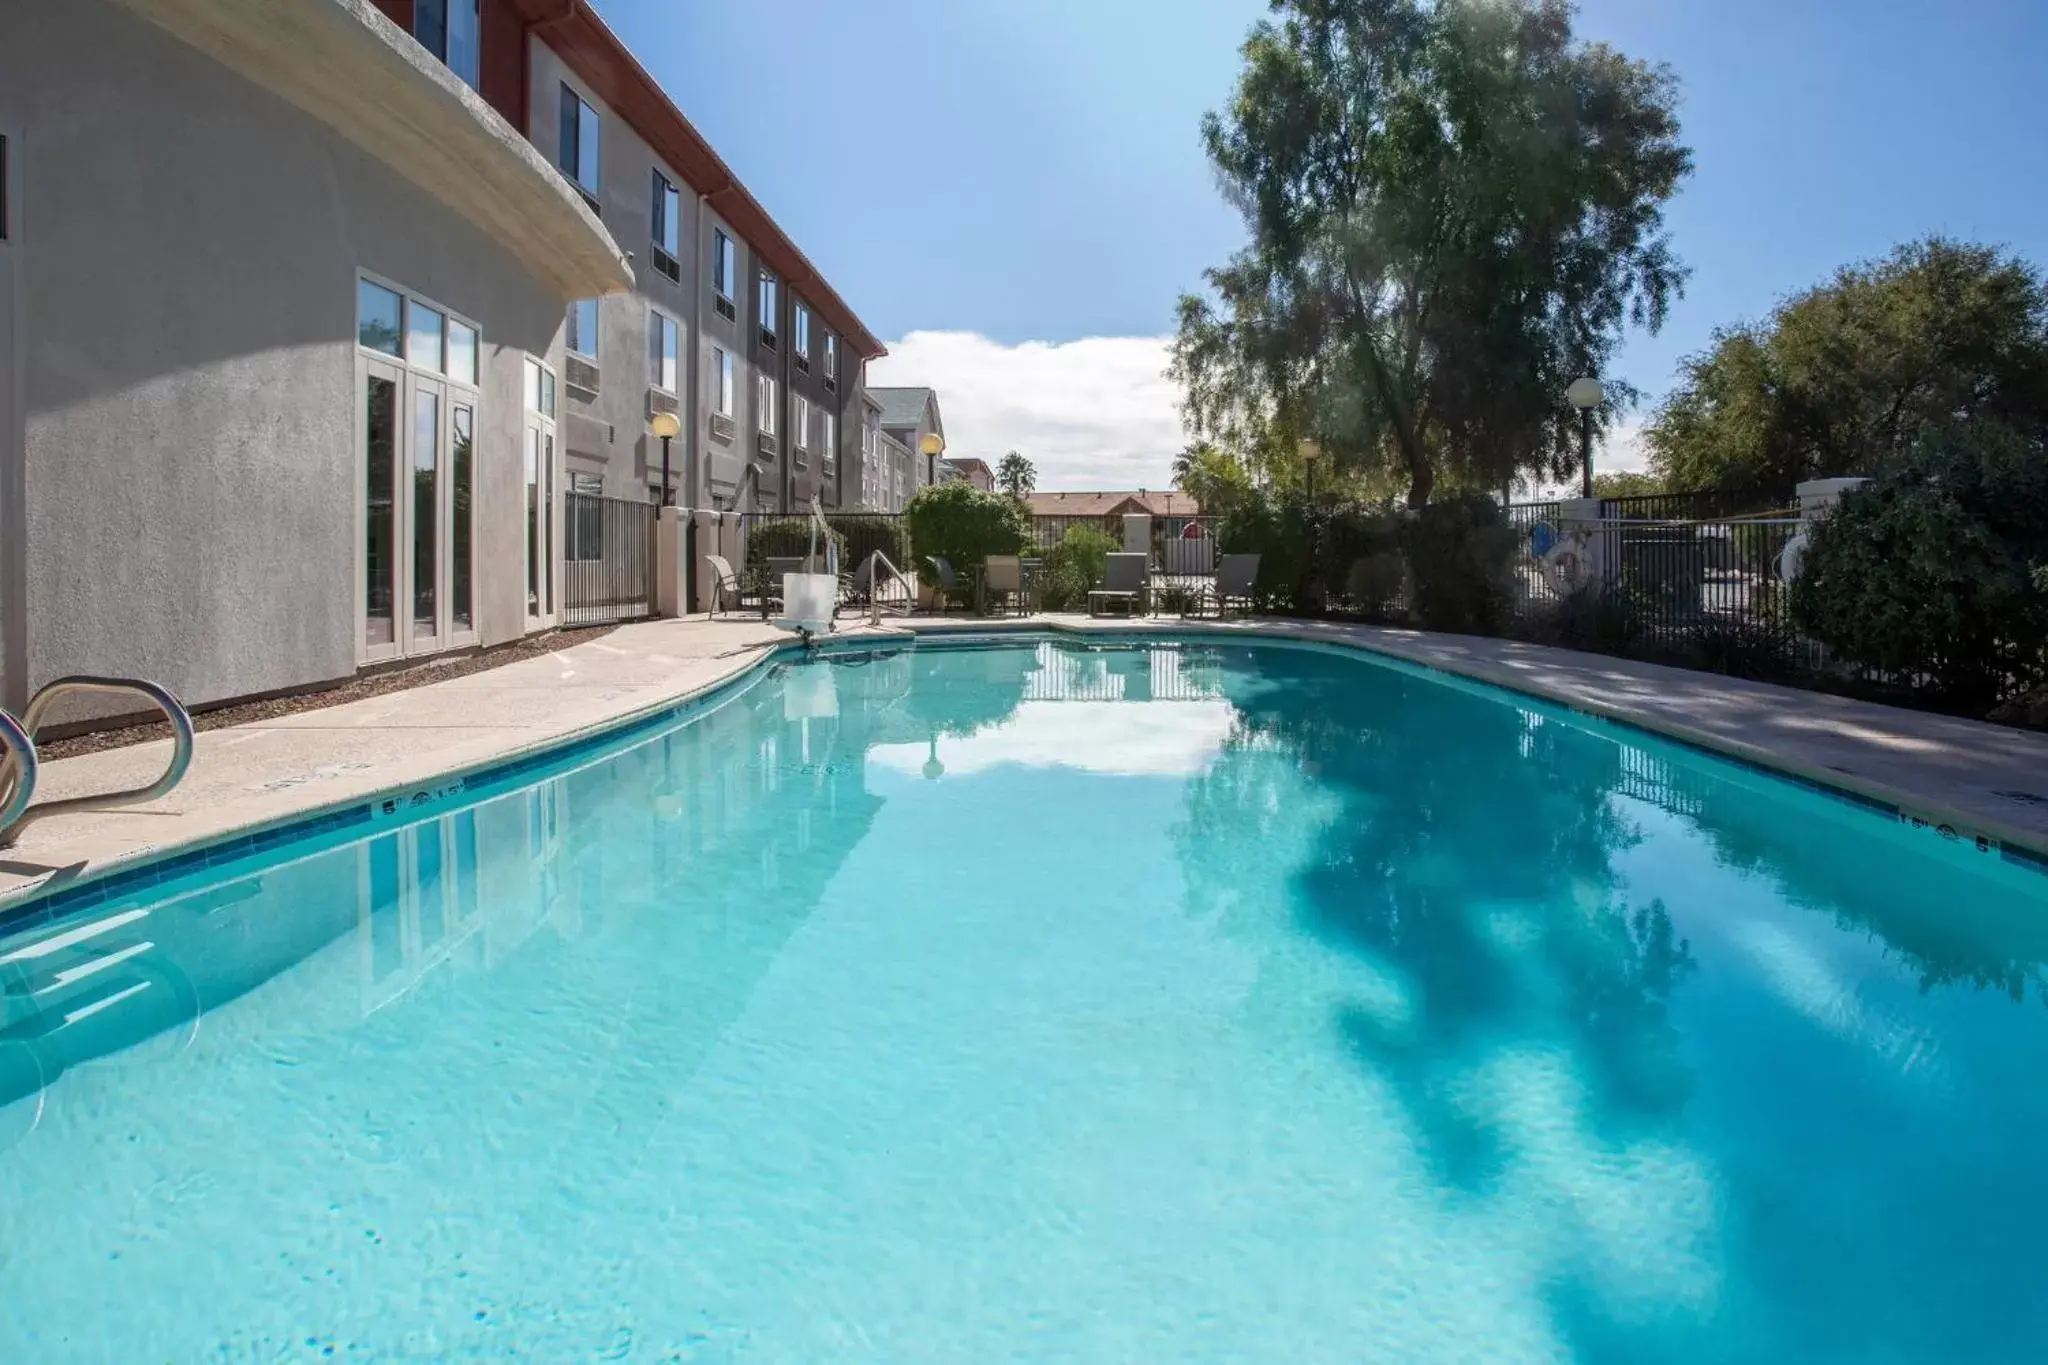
{"x":1982,"y":781}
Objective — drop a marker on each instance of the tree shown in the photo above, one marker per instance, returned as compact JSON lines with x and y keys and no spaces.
{"x":1453,"y":213}
{"x":1016,"y":476}
{"x":1216,"y":479}
{"x":1843,"y":379}
{"x":1938,"y":570}
{"x":1624,"y":483}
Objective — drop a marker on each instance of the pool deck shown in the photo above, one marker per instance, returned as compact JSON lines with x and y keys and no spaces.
{"x":1983,"y":781}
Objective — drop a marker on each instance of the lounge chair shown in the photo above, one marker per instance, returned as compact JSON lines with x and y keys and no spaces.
{"x":724,"y":582}
{"x":1235,"y":577}
{"x":1124,"y":581}
{"x":1004,"y":575}
{"x":945,"y":583}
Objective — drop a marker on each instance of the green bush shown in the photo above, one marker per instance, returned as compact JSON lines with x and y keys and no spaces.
{"x":862,"y":534}
{"x":1461,"y":552}
{"x":785,"y":538}
{"x":1936,"y":572}
{"x":1275,"y":528}
{"x":963,"y":525}
{"x":1072,"y":568}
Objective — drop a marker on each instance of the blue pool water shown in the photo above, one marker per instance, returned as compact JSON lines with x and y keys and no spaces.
{"x":1210,"y":1003}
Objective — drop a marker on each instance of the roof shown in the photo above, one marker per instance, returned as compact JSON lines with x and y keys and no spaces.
{"x":901,"y":407}
{"x":970,"y":463}
{"x":590,"y":49}
{"x":1166,"y":503}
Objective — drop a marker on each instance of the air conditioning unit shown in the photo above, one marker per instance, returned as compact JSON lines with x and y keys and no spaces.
{"x":766,"y":445}
{"x":725,"y":308}
{"x":803,"y":362}
{"x":659,"y":400}
{"x":721,"y":427}
{"x":768,"y":337}
{"x":666,"y":264}
{"x":581,"y":374}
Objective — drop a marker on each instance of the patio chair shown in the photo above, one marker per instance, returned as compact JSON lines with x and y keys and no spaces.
{"x":946,"y":584}
{"x":1004,"y":575}
{"x":723,"y":582}
{"x":1124,"y":581}
{"x":1235,"y":576}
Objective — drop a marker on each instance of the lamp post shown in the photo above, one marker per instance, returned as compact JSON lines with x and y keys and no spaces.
{"x":933,"y":445}
{"x":666,"y":425}
{"x":1310,"y":453}
{"x":1585,"y":395}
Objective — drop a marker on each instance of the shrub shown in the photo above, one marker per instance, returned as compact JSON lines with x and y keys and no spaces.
{"x":1073,"y":567}
{"x":1357,"y":558}
{"x":1604,"y":622}
{"x":964,"y":525}
{"x":1933,"y":573}
{"x":1276,"y":529}
{"x":785,"y":537}
{"x":1461,"y":552}
{"x":861,"y":534}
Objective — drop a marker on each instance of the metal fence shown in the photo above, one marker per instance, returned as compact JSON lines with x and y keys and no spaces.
{"x":607,"y":554}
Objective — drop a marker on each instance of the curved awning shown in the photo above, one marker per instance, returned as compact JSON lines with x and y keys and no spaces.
{"x":347,"y":65}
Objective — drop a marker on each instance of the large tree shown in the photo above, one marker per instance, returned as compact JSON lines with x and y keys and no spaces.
{"x":1016,"y":475}
{"x":1844,"y":378}
{"x":1454,"y":210}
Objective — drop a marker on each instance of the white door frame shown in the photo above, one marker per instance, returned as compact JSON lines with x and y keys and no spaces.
{"x":541,"y":451}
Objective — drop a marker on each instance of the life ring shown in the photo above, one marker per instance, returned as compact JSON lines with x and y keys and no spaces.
{"x":1567,"y":563}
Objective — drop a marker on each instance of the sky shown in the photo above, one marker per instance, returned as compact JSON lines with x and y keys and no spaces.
{"x":1012,"y":194}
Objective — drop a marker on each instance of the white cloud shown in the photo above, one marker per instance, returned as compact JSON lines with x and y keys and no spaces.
{"x":1126,"y":739}
{"x":1621,"y":450}
{"x":1094,"y":413}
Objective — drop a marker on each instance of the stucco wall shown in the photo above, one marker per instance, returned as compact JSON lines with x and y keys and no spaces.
{"x":189,"y":247}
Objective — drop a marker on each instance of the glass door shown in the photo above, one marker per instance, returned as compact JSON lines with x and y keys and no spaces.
{"x":381,"y":389}
{"x":422,"y":493}
{"x":542,"y":491}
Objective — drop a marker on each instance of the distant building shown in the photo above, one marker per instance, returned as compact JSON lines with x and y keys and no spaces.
{"x":1113,"y":504}
{"x":971,"y":471}
{"x":909,"y":415}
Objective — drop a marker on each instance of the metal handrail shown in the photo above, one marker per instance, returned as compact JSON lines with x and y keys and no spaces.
{"x":875,"y":587}
{"x":19,"y":768}
{"x":13,"y":797}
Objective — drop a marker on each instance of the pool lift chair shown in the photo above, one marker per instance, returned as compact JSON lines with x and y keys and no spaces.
{"x":811,"y":600}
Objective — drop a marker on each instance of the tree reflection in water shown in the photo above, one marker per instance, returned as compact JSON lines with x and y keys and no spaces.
{"x":1461,"y":847}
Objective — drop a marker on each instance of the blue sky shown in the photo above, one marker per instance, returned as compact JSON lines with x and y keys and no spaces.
{"x":988,"y":180}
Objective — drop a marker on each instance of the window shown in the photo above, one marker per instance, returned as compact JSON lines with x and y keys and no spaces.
{"x":668,"y":226}
{"x":448,"y":29}
{"x":764,"y":399}
{"x":578,"y":153}
{"x":768,"y":308}
{"x":582,"y":328}
{"x":724,"y":270}
{"x":662,"y":350}
{"x":423,"y":337}
{"x":461,"y":352}
{"x":800,"y":422}
{"x":831,"y":444}
{"x":377,"y":317}
{"x":3,"y":187}
{"x":721,"y":382}
{"x":540,"y":389}
{"x":803,"y":330}
{"x":831,"y":358}
{"x":867,"y":436}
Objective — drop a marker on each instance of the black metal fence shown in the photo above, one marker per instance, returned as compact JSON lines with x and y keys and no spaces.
{"x":607,"y":554}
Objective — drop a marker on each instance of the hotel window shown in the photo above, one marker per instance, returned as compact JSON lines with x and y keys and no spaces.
{"x":578,"y":158}
{"x":803,"y":331}
{"x":724,"y":267}
{"x":764,"y":399}
{"x":663,"y":348}
{"x":831,"y":358}
{"x":800,"y":422}
{"x":721,"y":382}
{"x":767,"y":300}
{"x":540,"y":389}
{"x":448,"y":29}
{"x":668,"y":226}
{"x":581,"y":333}
{"x":831,"y":445}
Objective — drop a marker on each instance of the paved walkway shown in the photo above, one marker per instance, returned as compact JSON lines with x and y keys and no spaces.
{"x":1981,"y":779}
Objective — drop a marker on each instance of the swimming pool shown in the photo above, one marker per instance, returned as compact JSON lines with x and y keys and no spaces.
{"x":1211,"y":1001}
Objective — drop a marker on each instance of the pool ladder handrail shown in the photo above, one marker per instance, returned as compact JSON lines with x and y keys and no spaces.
{"x":876,"y":563}
{"x":19,"y":769}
